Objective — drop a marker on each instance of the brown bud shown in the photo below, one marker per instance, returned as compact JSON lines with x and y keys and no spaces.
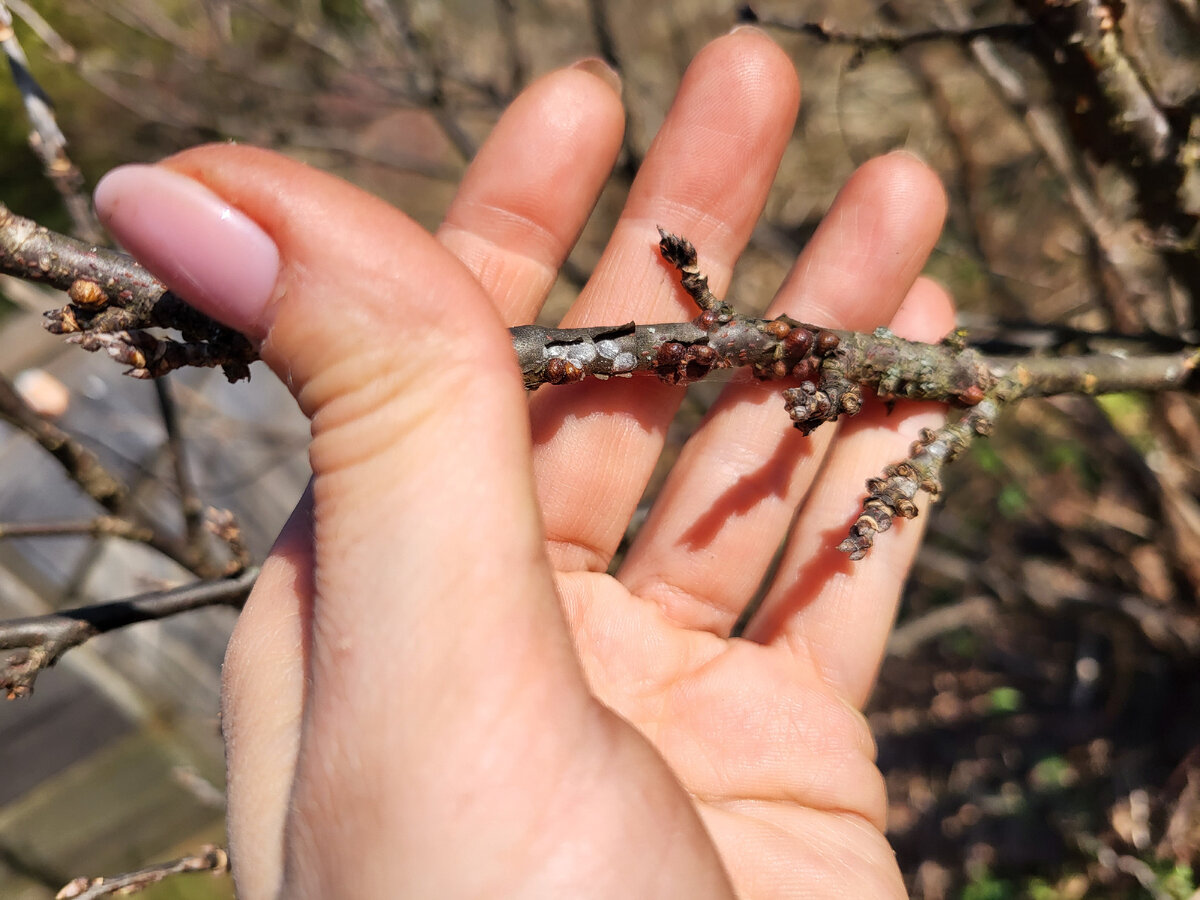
{"x":880,"y":520}
{"x":798,"y":341}
{"x":698,"y":360}
{"x":669,"y":354}
{"x":972,"y":396}
{"x":827,"y":342}
{"x":777,"y":328}
{"x":805,"y":369}
{"x":63,"y":321}
{"x":87,"y":294}
{"x":983,"y":426}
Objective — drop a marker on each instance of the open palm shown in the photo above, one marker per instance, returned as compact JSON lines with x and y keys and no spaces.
{"x":422,"y":688}
{"x":764,"y":733}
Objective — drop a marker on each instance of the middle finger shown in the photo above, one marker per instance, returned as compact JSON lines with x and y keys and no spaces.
{"x":732,"y":494}
{"x":706,"y":176}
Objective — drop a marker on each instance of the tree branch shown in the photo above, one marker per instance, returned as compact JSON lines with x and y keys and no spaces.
{"x":110,"y":293}
{"x":190,"y":505}
{"x":85,"y":469}
{"x":46,"y":138}
{"x":41,"y":640}
{"x":827,"y":369}
{"x":81,"y":465}
{"x":886,"y":38}
{"x":101,"y":526}
{"x":210,"y":859}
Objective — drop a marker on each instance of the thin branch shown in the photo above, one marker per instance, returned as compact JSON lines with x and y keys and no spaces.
{"x":1117,"y":115}
{"x":973,"y":612}
{"x":518,"y":67}
{"x":223,"y":525}
{"x":46,"y":138}
{"x":1091,"y":27}
{"x":829,"y":368}
{"x":967,"y":181}
{"x":887,"y":38}
{"x":41,"y":640}
{"x":190,"y":504}
{"x":601,"y":27}
{"x":149,"y":356}
{"x":101,"y":526}
{"x":109,"y":292}
{"x":218,"y":522}
{"x":80,"y":464}
{"x":44,"y":30}
{"x":211,"y":859}
{"x":385,"y":20}
{"x":84,"y":468}
{"x":1142,"y":274}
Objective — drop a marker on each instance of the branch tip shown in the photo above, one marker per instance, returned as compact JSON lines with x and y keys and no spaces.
{"x":35,"y":643}
{"x":894,"y":495}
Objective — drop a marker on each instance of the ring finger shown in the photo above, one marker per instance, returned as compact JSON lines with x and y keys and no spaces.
{"x":733,"y":492}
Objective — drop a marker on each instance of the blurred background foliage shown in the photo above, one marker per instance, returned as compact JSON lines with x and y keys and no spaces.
{"x":1037,"y":715}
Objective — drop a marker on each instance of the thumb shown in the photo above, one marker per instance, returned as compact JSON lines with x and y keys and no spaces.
{"x":428,"y":558}
{"x":420,"y":432}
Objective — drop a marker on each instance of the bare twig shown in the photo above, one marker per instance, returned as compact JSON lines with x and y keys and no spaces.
{"x":211,"y":859}
{"x":831,"y":367}
{"x":518,"y":67}
{"x":43,"y":29}
{"x":190,"y":504}
{"x":46,"y":138}
{"x":223,"y":525}
{"x":110,"y":295}
{"x":967,"y":182}
{"x":1091,"y":27}
{"x":1118,"y":116}
{"x":101,"y":526}
{"x":971,"y":612}
{"x":81,"y":464}
{"x":384,"y":18}
{"x":1139,"y":272}
{"x":85,"y":469}
{"x":41,"y":640}
{"x":220,"y":523}
{"x":890,"y":38}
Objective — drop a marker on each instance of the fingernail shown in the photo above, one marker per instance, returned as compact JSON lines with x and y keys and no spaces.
{"x":748,"y":28}
{"x":212,"y":255}
{"x":910,"y":153}
{"x":594,"y":65}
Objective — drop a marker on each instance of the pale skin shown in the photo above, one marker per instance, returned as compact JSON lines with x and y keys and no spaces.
{"x":435,"y":688}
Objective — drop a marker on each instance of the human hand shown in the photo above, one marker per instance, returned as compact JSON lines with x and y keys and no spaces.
{"x":422,"y":687}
